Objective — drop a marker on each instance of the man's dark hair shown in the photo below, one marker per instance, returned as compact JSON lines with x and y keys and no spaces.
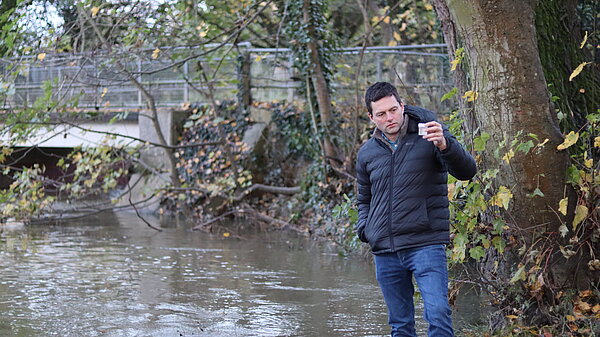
{"x":378,"y":91}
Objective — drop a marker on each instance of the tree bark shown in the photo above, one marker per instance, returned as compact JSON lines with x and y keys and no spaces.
{"x":503,"y":66}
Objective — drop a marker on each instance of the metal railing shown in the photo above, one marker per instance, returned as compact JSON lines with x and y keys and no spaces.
{"x":94,"y":81}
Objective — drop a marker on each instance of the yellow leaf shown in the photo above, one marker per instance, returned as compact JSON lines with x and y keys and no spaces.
{"x":597,"y":141}
{"x":429,"y":7}
{"x":258,"y":58}
{"x":584,"y":40}
{"x":570,"y":318}
{"x":392,"y":43}
{"x":226,"y":235}
{"x":578,"y":70}
{"x":397,"y":36}
{"x":588,"y":163}
{"x":562,"y":206}
{"x":502,"y":198}
{"x":570,"y":139}
{"x":41,"y":56}
{"x":95,"y":11}
{"x":202,"y":33}
{"x":104,"y":91}
{"x":581,"y":213}
{"x":512,"y":316}
{"x":508,"y":156}
{"x":375,"y":19}
{"x":386,"y":19}
{"x":155,"y":53}
{"x":470,"y":95}
{"x":454,"y":64}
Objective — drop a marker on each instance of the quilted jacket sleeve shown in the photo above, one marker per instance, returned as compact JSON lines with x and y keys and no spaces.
{"x":364,"y":196}
{"x":456,"y":159}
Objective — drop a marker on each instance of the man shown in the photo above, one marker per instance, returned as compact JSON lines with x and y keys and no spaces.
{"x":403,"y":206}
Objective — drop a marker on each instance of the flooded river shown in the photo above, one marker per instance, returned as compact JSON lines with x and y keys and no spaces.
{"x":113,"y":276}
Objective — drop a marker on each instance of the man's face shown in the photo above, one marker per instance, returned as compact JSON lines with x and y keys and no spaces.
{"x":388,"y":116}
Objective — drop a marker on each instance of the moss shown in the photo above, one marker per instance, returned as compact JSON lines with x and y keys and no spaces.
{"x":558,"y":43}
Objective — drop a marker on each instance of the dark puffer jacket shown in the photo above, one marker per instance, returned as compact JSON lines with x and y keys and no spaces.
{"x":403,"y":194}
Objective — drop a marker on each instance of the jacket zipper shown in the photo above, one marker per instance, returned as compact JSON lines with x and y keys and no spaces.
{"x":390,"y":204}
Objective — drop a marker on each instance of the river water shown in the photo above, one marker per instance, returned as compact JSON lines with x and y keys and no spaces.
{"x":113,"y":276}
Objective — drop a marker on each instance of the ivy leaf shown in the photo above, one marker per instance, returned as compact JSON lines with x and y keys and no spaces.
{"x":526,"y":146}
{"x":454,"y":63}
{"x":480,"y":141}
{"x":578,"y":70}
{"x":449,"y":94}
{"x":537,"y":192}
{"x":502,"y":198}
{"x":570,"y":139}
{"x":353,"y":215}
{"x":562,"y":206}
{"x":470,"y":95}
{"x":519,"y":275}
{"x":581,"y":213}
{"x":499,"y":244}
{"x":508,"y":156}
{"x":477,"y":253}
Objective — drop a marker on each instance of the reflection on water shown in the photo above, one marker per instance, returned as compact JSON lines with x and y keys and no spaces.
{"x":113,"y":276}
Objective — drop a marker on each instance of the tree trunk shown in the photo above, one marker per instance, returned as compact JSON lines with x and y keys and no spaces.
{"x":321,"y":89}
{"x":503,"y":66}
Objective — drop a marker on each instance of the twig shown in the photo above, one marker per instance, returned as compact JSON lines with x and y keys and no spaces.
{"x":138,"y":213}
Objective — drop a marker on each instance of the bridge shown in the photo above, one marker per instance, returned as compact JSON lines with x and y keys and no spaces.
{"x":93,"y":97}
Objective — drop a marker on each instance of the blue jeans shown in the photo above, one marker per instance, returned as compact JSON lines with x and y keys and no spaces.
{"x":394,"y":274}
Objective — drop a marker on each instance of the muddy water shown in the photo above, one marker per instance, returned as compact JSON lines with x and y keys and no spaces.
{"x":113,"y":276}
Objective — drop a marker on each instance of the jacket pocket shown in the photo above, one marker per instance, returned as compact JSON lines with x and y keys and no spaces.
{"x":361,"y":234}
{"x":410,"y":216}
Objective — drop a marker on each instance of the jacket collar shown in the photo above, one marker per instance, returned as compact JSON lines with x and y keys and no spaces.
{"x":403,"y":131}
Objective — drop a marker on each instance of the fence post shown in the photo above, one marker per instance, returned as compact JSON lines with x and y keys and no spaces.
{"x":244,"y":84}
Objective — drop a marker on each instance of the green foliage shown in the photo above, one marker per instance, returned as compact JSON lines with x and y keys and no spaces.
{"x":298,"y":31}
{"x":26,"y":196}
{"x":208,"y":168}
{"x":96,"y":171}
{"x":294,"y":127}
{"x":478,"y":207}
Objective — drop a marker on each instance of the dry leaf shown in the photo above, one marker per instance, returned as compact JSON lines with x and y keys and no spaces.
{"x":570,"y":139}
{"x":584,"y":40}
{"x":578,"y":70}
{"x":581,"y":213}
{"x":155,"y":53}
{"x":562,"y":206}
{"x":95,"y":11}
{"x":41,"y":56}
